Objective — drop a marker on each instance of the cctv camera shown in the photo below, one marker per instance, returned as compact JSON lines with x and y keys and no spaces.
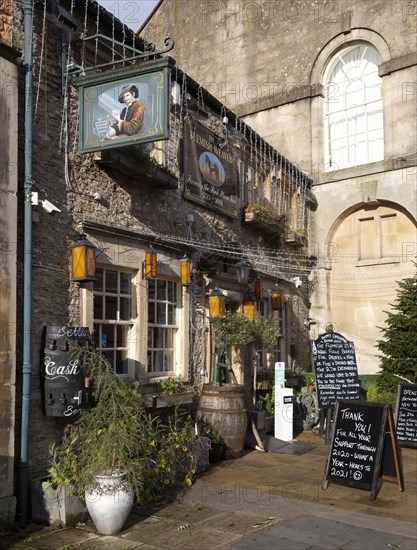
{"x":297,"y":282}
{"x":49,"y":207}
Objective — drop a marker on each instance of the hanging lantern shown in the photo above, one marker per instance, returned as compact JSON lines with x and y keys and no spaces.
{"x":249,"y":307}
{"x":243,"y":268}
{"x":150,"y":263}
{"x":83,"y":260}
{"x":258,"y":289}
{"x":185,"y":271}
{"x":217,"y":304}
{"x":276,"y":298}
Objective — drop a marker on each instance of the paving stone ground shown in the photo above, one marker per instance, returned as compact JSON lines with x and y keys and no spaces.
{"x":259,"y":501}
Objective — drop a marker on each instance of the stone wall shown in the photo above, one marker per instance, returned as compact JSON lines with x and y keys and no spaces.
{"x":8,"y":251}
{"x":134,"y":209}
{"x":266,"y":61}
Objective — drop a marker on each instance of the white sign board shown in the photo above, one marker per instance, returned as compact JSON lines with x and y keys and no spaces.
{"x":284,"y":413}
{"x":279,"y":375}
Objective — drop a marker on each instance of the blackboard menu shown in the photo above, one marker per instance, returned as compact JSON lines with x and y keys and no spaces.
{"x":357,"y":442}
{"x":335,"y":369}
{"x":406,"y":414}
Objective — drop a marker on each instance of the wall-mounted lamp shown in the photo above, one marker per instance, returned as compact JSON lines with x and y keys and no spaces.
{"x":249,"y":306}
{"x":258,"y":289}
{"x":185,"y":271}
{"x":276,"y":298}
{"x":217,"y":304}
{"x":83,"y":260}
{"x":243,"y":268}
{"x":150,"y":271}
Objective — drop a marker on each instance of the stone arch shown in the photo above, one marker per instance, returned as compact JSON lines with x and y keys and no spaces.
{"x":342,"y":41}
{"x":373,"y":247}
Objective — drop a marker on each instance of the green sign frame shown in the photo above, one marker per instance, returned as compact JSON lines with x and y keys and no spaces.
{"x":101,"y":109}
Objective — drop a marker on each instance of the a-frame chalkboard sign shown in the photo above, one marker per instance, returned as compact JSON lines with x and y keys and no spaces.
{"x":406,"y":415}
{"x":363,"y":447}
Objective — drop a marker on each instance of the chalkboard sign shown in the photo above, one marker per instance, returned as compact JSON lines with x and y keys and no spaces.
{"x":406,"y":414}
{"x":360,"y":453}
{"x":335,"y":369}
{"x":66,"y":390}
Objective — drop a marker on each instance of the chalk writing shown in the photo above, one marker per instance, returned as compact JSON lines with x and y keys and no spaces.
{"x":355,"y":442}
{"x":335,"y":369}
{"x":406,"y":426}
{"x":51,"y":371}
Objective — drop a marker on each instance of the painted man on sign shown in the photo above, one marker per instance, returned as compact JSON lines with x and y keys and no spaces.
{"x":129,"y":121}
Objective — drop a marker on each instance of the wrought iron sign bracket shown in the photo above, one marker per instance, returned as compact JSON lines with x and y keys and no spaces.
{"x":138,"y":54}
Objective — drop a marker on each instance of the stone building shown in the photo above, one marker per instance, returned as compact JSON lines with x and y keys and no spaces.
{"x":209,"y":187}
{"x":8,"y":242}
{"x":332,"y":85}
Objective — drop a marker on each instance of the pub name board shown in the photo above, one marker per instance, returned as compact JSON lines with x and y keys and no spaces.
{"x":210,"y":171}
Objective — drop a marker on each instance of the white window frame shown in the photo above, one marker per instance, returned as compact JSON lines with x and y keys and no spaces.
{"x":169,"y":349}
{"x":353,"y":109}
{"x":105,"y":326}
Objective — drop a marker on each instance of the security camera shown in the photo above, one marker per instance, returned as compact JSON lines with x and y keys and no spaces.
{"x":48,"y":206}
{"x":297,"y":282}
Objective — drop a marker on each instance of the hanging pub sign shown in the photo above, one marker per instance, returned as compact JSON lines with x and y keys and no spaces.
{"x":210,"y":170}
{"x":124,"y":107}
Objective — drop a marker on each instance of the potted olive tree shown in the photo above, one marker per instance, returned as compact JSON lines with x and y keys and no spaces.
{"x":117,"y":453}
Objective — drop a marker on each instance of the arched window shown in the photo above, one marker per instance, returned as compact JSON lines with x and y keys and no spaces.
{"x":353,"y":108}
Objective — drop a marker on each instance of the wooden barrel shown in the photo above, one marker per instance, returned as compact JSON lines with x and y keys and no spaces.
{"x":222,"y":409}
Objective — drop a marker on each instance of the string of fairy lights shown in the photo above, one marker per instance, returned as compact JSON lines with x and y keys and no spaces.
{"x":286,"y":179}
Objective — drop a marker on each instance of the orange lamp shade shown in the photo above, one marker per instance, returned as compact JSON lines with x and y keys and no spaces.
{"x":276,"y":298}
{"x":150,"y":263}
{"x":249,"y":307}
{"x":217,"y":304}
{"x":83,"y":261}
{"x":258,"y":289}
{"x":185,"y":271}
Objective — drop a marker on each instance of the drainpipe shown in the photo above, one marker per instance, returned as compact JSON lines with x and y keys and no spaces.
{"x":27,"y":266}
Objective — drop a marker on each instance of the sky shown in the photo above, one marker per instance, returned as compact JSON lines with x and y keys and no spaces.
{"x":131,"y":12}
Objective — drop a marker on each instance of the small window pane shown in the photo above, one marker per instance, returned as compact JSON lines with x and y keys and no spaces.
{"x":111,"y":281}
{"x":111,"y":308}
{"x":161,"y":291}
{"x":151,"y":289}
{"x":122,"y":362}
{"x":98,"y":283}
{"x":161,"y":314}
{"x":151,"y":313}
{"x":125,"y":308}
{"x":172,"y":291}
{"x":98,"y":307}
{"x":171,"y":314}
{"x":109,"y":355}
{"x":107,"y":336}
{"x":125,"y":283}
{"x":123,"y":335}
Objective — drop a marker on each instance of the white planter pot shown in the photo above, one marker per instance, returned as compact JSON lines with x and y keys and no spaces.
{"x":109,"y":503}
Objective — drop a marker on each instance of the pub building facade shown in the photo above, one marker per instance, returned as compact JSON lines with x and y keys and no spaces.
{"x":136,"y":220}
{"x":332,"y":85}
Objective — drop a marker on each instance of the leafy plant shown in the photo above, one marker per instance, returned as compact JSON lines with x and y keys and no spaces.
{"x":267,"y":403}
{"x":260,"y":210}
{"x":171,"y":386}
{"x":117,"y":435}
{"x":232,"y":329}
{"x":215,"y":437}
